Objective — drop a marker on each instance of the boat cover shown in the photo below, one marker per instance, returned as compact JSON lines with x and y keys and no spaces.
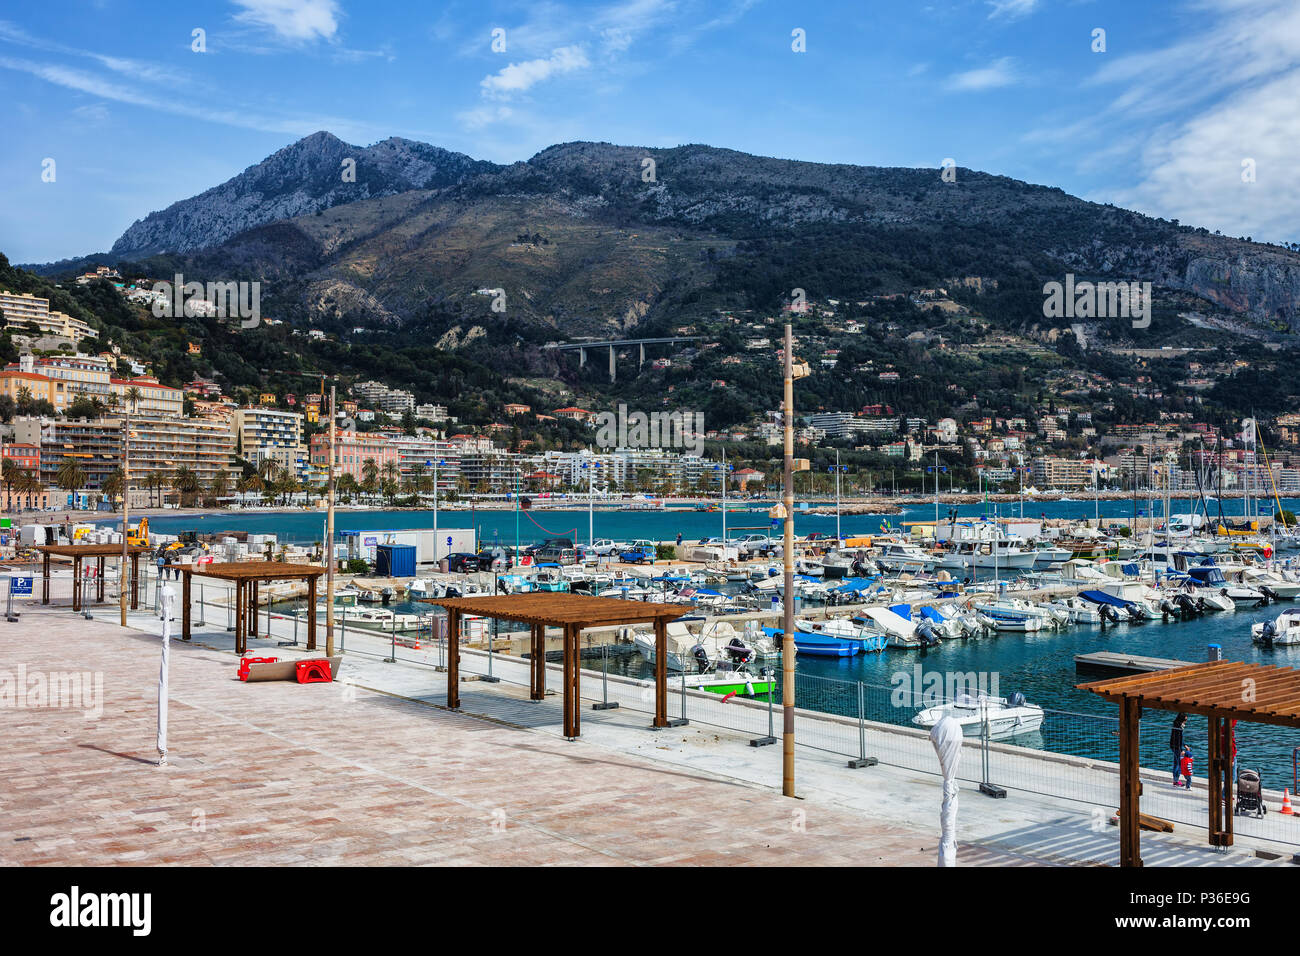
{"x":946,"y":737}
{"x":1101,"y":597}
{"x":931,"y":614}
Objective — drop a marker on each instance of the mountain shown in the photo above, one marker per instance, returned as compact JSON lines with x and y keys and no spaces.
{"x":297,"y":180}
{"x":594,"y":238}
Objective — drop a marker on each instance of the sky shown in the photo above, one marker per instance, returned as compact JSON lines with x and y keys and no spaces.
{"x":113,"y":109}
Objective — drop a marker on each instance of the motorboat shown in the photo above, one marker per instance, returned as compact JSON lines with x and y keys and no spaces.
{"x":1272,"y":584}
{"x":896,"y":556}
{"x":1079,"y":610}
{"x":1282,"y":631}
{"x":1209,"y":577}
{"x":1010,"y":614}
{"x":983,"y":716}
{"x":838,"y":637}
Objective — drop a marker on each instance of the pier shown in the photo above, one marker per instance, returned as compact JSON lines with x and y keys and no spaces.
{"x":1110,"y":662}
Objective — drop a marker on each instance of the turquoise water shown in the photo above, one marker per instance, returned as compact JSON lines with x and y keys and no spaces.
{"x":534,"y":525}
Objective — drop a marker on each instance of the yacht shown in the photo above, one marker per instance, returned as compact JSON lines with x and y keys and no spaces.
{"x":905,"y":557}
{"x":1283,"y":631}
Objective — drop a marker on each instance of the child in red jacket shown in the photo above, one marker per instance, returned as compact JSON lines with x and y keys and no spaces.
{"x":1185,"y":765}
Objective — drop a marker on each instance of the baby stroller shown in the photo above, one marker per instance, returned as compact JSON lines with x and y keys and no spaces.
{"x":1250,"y":794}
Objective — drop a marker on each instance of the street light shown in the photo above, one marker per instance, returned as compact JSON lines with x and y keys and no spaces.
{"x":723,"y":471}
{"x":837,"y":471}
{"x":435,"y":464}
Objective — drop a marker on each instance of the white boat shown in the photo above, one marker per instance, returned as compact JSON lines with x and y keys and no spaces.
{"x":905,"y":557}
{"x":1271,"y":583}
{"x":1282,"y":631}
{"x":1080,"y":611}
{"x":1011,"y":615}
{"x":981,"y":715}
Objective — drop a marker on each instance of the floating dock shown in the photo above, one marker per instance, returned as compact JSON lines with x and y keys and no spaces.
{"x":1111,"y":662}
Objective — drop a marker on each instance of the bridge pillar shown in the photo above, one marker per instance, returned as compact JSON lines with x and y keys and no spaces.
{"x":611,"y":364}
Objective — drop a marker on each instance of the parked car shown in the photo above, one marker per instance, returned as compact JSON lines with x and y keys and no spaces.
{"x":490,"y":559}
{"x":756,"y":544}
{"x":462,"y":562}
{"x":557,"y":555}
{"x":603,"y":547}
{"x":639,"y":552}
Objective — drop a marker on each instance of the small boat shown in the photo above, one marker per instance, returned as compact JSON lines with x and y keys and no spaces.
{"x":838,"y":638}
{"x":981,"y":715}
{"x":1283,"y":631}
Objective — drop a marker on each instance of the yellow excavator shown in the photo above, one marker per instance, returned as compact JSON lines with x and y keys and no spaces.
{"x":139,"y":535}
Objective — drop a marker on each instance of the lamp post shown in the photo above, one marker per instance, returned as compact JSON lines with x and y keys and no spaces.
{"x":435,"y":464}
{"x":787,"y":630}
{"x":329,"y":538}
{"x":837,"y":470}
{"x":936,"y":469}
{"x":723,"y":470}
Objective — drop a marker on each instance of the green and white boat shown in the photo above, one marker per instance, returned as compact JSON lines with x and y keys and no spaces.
{"x":738,"y":682}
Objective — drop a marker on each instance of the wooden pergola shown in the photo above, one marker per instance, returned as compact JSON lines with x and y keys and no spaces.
{"x":574,"y":613}
{"x":246,"y":576}
{"x":98,"y":552}
{"x":1222,"y":692}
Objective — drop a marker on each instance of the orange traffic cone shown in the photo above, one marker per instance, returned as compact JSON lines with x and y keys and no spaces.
{"x":1286,"y":803}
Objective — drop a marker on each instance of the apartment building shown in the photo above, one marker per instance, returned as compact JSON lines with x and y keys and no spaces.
{"x":268,"y":434}
{"x":23,"y":312}
{"x":394,"y":401}
{"x":1064,"y":473}
{"x":351,"y":450}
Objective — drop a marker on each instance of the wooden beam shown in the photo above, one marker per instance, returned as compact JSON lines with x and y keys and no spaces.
{"x":45,"y":580}
{"x":661,"y":674}
{"x":453,"y":659}
{"x":76,"y":583}
{"x":311,"y":614}
{"x":1130,"y":851}
{"x":185,"y":611}
{"x":135,"y":580}
{"x":537,"y":660}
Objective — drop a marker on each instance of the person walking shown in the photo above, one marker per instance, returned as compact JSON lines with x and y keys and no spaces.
{"x":1186,"y":765}
{"x":679,"y":539}
{"x":1176,"y":744}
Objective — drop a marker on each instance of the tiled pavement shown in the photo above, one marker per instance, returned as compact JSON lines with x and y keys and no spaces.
{"x":280,"y":773}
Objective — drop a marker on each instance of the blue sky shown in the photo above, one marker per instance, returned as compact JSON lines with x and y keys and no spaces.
{"x":1162,"y":121}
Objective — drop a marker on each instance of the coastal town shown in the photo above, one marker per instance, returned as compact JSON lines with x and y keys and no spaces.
{"x":207,"y":442}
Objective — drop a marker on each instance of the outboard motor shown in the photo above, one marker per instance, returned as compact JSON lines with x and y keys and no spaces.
{"x":1266,"y":633}
{"x":738,"y":651}
{"x":1269,"y":594}
{"x":1134,"y":615}
{"x":1169,"y":609}
{"x":701,"y":658}
{"x":452,"y":592}
{"x":502,"y":587}
{"x":858,"y":569}
{"x":1108,"y":613}
{"x":1015,"y":699}
{"x":925,"y":631}
{"x":1188,"y":606}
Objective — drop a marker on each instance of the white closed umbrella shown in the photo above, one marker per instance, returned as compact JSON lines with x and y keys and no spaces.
{"x":946,"y":737}
{"x":166,"y":600}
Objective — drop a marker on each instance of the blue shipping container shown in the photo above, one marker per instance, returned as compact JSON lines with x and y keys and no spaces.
{"x":395,"y":560}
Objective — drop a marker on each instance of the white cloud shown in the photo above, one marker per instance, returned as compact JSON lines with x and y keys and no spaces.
{"x":519,"y":77}
{"x":295,"y":20}
{"x":997,"y":74}
{"x":482,"y":116}
{"x":1196,"y":108}
{"x":1012,"y":9}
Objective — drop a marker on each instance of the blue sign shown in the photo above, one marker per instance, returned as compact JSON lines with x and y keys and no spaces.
{"x":449,"y":541}
{"x":20,"y":586}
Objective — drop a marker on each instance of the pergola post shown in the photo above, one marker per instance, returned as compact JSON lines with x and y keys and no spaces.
{"x":311,"y":614}
{"x":1220,"y":770}
{"x":135,"y":580}
{"x":1130,"y":716}
{"x":453,"y":659}
{"x":661,"y":673}
{"x":45,"y":579}
{"x":76,"y":582}
{"x":537,"y":662}
{"x":239,"y":617}
{"x":99,"y":584}
{"x":570,"y":682}
{"x":252,"y":609}
{"x":185,"y":605}
{"x":186,"y":582}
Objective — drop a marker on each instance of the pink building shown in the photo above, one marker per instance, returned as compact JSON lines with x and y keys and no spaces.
{"x":351,"y":450}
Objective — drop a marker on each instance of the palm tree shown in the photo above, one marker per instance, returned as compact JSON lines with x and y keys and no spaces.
{"x":115,"y":484}
{"x":29,"y":483}
{"x":186,"y":482}
{"x":249,"y":484}
{"x":417,"y":481}
{"x":218,"y":488}
{"x":71,"y":476}
{"x":346,"y":486}
{"x":10,"y":474}
{"x":369,"y":476}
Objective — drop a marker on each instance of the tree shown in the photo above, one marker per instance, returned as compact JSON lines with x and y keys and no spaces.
{"x":114,"y":484}
{"x":10,"y":475}
{"x":71,"y":477}
{"x":186,"y":483}
{"x":369,"y":476}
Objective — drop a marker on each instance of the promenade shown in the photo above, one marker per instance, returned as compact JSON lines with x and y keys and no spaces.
{"x":374,"y":770}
